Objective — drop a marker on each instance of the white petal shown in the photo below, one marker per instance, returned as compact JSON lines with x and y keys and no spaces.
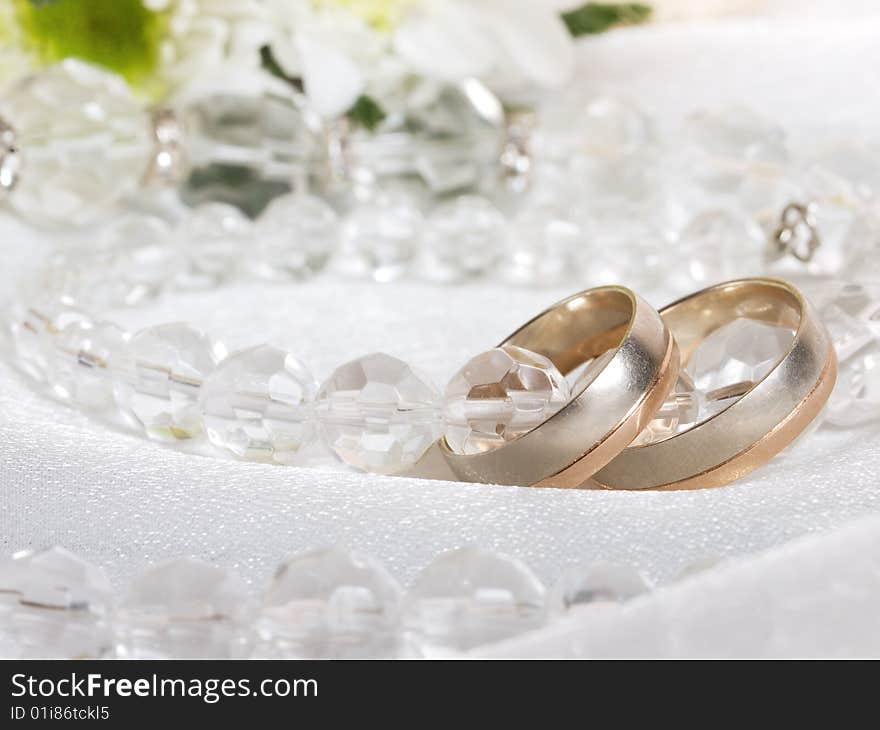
{"x":286,"y":53}
{"x":534,"y":38}
{"x":234,"y":79}
{"x":445,"y":42}
{"x":332,"y":80}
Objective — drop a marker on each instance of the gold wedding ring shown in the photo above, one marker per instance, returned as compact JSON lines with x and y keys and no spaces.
{"x":638,"y":367}
{"x":764,"y":420}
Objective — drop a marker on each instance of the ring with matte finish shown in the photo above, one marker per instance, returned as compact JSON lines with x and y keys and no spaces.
{"x":764,"y":420}
{"x":640,"y":369}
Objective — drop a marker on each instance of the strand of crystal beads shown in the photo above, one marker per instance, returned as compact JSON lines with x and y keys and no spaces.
{"x":329,"y":603}
{"x":75,"y":146}
{"x":377,"y":413}
{"x":550,"y":241}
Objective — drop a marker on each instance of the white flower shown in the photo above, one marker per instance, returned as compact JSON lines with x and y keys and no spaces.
{"x":343,"y":48}
{"x":212,"y":45}
{"x":510,"y":44}
{"x":331,"y":49}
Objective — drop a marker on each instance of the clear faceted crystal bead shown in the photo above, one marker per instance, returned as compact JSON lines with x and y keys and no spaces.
{"x":498,"y":396}
{"x":34,"y":322}
{"x":463,"y":238}
{"x":609,"y":127}
{"x":591,"y":583}
{"x":736,"y":153}
{"x":184,"y":609}
{"x":443,"y":137}
{"x":215,"y":238}
{"x":851,"y":312}
{"x":551,"y":183}
{"x":639,"y":180}
{"x":470,"y":597}
{"x":266,"y":132}
{"x":330,"y":603}
{"x":680,"y":411}
{"x":603,"y":126}
{"x":138,"y":259}
{"x":160,"y":371}
{"x":258,"y":404}
{"x":79,"y":368}
{"x":84,"y":142}
{"x":541,"y":245}
{"x":715,"y":246}
{"x":740,"y":352}
{"x":380,"y":237}
{"x":53,"y":604}
{"x":294,"y":237}
{"x":737,"y":133}
{"x":844,"y":228}
{"x":722,"y":368}
{"x":856,"y":396}
{"x":623,"y":244}
{"x":377,"y":414}
{"x":856,"y":160}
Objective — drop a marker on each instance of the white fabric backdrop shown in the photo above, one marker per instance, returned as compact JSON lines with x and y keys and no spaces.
{"x":814,"y":597}
{"x":126,"y":503}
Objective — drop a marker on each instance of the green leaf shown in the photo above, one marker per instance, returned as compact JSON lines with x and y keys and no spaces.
{"x":599,"y":17}
{"x":120,"y":35}
{"x":366,"y":112}
{"x":271,"y":65}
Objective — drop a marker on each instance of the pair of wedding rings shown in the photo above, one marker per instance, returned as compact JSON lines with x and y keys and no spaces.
{"x":588,"y":443}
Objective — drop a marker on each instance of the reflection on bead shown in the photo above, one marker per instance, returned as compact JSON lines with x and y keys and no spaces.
{"x":160,"y":371}
{"x":377,"y":414}
{"x":330,"y":603}
{"x":258,"y":404}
